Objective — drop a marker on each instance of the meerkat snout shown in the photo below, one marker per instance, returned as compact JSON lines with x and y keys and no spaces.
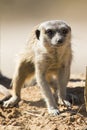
{"x":60,"y":41}
{"x":60,"y":36}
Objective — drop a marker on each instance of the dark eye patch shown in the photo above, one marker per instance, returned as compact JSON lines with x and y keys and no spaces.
{"x":50,"y":33}
{"x":64,"y":31}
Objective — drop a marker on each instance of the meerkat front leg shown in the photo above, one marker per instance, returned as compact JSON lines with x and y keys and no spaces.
{"x":24,"y":69}
{"x":63,"y":78}
{"x":45,"y":89}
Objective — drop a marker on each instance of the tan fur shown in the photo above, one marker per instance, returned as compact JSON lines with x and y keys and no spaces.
{"x":43,"y":60}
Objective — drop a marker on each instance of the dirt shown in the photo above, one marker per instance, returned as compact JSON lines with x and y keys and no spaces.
{"x":31,"y":112}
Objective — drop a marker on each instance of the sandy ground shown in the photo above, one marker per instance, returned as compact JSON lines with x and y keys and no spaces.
{"x":31,"y":112}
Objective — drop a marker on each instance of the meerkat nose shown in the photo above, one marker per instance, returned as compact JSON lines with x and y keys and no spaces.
{"x":60,"y":41}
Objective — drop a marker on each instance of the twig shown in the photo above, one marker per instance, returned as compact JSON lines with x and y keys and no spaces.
{"x":85,"y":90}
{"x":80,"y":108}
{"x":32,"y":113}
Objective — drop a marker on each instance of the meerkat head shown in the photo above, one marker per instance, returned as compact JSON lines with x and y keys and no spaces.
{"x":54,"y":33}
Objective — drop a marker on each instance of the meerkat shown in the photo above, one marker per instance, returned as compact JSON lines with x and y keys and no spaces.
{"x":47,"y":54}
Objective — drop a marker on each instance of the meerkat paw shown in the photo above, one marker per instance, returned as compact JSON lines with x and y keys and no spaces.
{"x":64,"y":102}
{"x":11,"y":102}
{"x":53,"y":111}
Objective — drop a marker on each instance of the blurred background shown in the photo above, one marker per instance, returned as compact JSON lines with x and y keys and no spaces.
{"x":18,"y":17}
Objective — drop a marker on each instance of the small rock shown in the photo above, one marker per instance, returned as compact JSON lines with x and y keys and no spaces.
{"x":72,"y":119}
{"x":21,"y":103}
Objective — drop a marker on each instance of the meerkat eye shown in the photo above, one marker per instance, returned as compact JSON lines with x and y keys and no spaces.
{"x":50,"y":32}
{"x":64,"y":31}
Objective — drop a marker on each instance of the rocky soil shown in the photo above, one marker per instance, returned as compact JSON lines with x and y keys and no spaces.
{"x":31,"y":112}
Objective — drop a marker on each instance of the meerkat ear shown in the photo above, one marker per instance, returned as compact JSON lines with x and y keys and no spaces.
{"x":37,"y":34}
{"x":69,"y":28}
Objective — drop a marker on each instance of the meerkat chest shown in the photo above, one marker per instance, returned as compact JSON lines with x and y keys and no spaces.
{"x":53,"y":61}
{"x":57,"y":61}
{"x":54,"y":64}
